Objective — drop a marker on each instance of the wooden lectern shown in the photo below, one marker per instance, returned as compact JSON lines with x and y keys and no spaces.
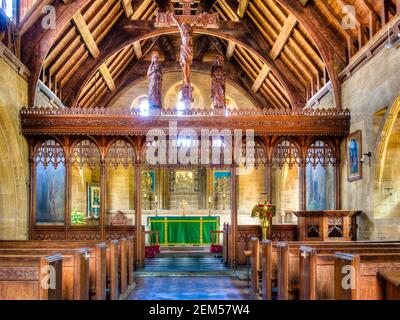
{"x":327,"y":225}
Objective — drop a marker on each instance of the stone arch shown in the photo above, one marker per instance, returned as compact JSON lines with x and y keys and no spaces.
{"x":383,"y":137}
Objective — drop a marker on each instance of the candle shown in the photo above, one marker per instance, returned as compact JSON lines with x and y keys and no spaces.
{"x":209,"y":199}
{"x":155,"y":199}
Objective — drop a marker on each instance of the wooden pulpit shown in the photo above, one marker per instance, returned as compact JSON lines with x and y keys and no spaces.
{"x":327,"y":225}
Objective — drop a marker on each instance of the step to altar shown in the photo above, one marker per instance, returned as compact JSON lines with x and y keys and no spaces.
{"x":186,"y":266}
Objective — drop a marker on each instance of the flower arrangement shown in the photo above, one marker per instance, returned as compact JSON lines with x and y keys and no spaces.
{"x":264,"y":212}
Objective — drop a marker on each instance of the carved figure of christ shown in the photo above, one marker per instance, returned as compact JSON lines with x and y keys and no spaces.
{"x":185,"y":24}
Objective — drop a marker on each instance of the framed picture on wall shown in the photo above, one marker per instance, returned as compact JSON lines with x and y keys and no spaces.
{"x":93,"y":200}
{"x":354,"y":155}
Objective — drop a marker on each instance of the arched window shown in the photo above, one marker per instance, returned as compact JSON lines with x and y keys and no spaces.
{"x":50,"y":183}
{"x":320,"y":178}
{"x":141,"y":104}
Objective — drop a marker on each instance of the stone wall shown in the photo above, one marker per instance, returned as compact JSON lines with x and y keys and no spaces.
{"x":14,"y":167}
{"x":372,"y":88}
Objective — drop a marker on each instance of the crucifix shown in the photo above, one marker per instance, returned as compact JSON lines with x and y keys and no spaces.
{"x":186,"y":23}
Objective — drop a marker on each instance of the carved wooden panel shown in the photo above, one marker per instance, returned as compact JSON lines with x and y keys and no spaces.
{"x":243,"y":236}
{"x":84,"y":235}
{"x":284,"y":232}
{"x":19,"y":273}
{"x":48,"y":235}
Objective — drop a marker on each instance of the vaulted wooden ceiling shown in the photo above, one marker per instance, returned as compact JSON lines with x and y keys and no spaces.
{"x":281,"y":51}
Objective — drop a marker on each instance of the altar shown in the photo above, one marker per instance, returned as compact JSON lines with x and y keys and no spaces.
{"x":183,"y":230}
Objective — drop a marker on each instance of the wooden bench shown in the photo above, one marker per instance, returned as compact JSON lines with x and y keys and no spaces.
{"x":24,"y":277}
{"x":365,"y":268}
{"x":97,"y":260}
{"x":286,"y":262}
{"x":391,"y":283}
{"x":255,"y":264}
{"x":75,"y":269}
{"x":317,"y":269}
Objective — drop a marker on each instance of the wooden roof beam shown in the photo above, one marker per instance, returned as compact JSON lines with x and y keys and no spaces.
{"x":128,"y":8}
{"x":284,"y":36}
{"x":331,"y":47}
{"x":137,"y":48}
{"x":373,"y":18}
{"x":202,"y":45}
{"x":108,"y":79}
{"x":125,"y":32}
{"x":262,"y":76}
{"x":167,"y":48}
{"x":205,"y":6}
{"x":295,"y":90}
{"x":230,"y":50}
{"x":38,"y":41}
{"x":242,"y":8}
{"x":86,"y":35}
{"x":164,"y":5}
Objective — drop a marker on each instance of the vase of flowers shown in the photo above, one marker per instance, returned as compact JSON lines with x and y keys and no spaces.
{"x":264,"y":211}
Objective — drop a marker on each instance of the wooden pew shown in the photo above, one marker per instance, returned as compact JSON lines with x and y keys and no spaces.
{"x":317,"y":269}
{"x":255,"y":264}
{"x":391,"y":284}
{"x":267,"y":277}
{"x":131,"y":262}
{"x":97,"y":261}
{"x":123,"y":269}
{"x":75,"y":269}
{"x":367,"y":285}
{"x":22,"y":277}
{"x":288,"y":262}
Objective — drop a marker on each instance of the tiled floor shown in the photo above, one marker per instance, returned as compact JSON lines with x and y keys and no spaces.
{"x":190,"y":288}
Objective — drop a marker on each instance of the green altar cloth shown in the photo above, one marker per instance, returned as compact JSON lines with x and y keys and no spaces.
{"x":183,"y":230}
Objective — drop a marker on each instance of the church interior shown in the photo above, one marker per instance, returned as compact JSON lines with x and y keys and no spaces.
{"x":199,"y":149}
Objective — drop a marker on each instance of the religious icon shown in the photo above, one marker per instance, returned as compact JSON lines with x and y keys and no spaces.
{"x":218,"y":83}
{"x":354,"y":154}
{"x":154,"y":75}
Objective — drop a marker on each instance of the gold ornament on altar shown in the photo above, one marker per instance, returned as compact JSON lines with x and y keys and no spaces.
{"x":264,"y":211}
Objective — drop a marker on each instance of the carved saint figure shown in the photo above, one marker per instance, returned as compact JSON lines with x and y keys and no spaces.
{"x":218,"y":83}
{"x":154,"y":75}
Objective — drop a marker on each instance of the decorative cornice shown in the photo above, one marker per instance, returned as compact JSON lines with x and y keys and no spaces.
{"x":77,"y":121}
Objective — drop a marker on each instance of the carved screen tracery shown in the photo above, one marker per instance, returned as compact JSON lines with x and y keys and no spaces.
{"x":50,"y":153}
{"x":319,"y":153}
{"x":285,"y":153}
{"x":254,"y":155}
{"x":121,"y":153}
{"x":320,"y":177}
{"x":50,"y":183}
{"x":85,"y":153}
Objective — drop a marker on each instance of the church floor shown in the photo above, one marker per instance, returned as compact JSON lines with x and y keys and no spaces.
{"x":190,"y":288}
